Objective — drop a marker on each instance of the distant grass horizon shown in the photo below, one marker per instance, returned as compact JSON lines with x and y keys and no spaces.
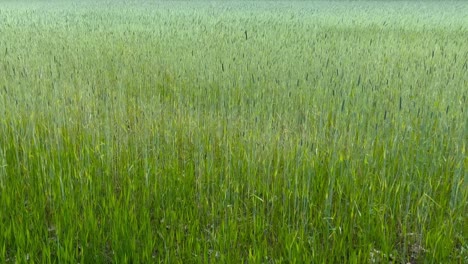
{"x":233,"y":132}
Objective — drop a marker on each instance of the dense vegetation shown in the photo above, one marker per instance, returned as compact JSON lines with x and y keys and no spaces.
{"x":252,"y":132}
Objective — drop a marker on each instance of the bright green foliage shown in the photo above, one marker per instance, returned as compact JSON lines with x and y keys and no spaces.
{"x":240,"y":132}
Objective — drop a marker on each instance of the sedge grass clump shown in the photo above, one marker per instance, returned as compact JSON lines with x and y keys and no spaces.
{"x":233,"y":132}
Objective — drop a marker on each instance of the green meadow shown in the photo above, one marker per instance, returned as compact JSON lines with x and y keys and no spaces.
{"x":233,"y":132}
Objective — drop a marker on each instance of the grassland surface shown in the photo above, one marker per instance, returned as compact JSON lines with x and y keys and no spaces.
{"x":233,"y":132}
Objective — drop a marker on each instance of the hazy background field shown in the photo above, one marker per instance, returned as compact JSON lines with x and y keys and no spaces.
{"x":233,"y":131}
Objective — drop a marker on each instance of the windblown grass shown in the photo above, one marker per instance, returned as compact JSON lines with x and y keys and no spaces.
{"x":233,"y":132}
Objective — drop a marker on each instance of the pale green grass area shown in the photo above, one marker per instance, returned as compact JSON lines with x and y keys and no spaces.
{"x":243,"y":132}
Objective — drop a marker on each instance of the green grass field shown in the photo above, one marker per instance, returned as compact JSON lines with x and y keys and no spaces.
{"x":233,"y":132}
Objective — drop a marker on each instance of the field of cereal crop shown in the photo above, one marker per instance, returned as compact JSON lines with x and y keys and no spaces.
{"x":233,"y":132}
